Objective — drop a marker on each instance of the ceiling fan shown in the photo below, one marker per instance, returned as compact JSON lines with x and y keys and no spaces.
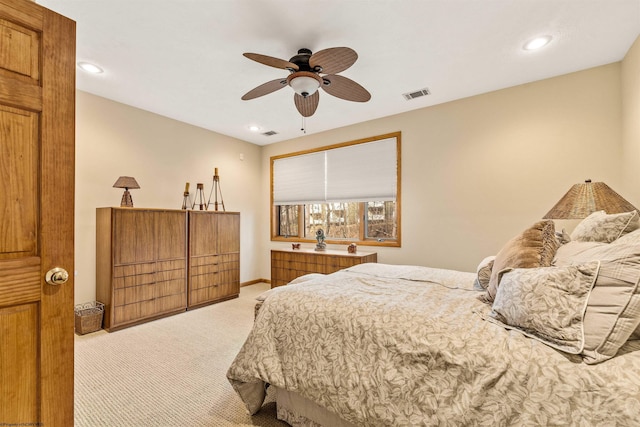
{"x":307,"y":73}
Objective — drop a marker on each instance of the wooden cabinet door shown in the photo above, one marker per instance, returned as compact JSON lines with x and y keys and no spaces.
{"x":37,"y":113}
{"x":202,"y":233}
{"x":228,"y":233}
{"x":135,"y":233}
{"x":171,"y":232}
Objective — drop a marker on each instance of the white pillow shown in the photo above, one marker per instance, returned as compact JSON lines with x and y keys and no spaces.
{"x":613,"y":309}
{"x":629,"y":238}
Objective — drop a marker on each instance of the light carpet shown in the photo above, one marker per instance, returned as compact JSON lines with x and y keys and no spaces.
{"x":169,"y":372}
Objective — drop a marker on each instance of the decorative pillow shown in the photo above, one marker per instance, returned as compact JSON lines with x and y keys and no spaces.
{"x":630,"y":238}
{"x":546,"y":303}
{"x":484,"y":273}
{"x":613,"y":309}
{"x":601,"y":227}
{"x":534,"y":247}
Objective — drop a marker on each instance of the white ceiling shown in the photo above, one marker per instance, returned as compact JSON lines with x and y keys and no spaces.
{"x":183,"y":58}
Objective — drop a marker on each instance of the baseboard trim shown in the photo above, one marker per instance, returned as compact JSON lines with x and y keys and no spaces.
{"x":253,"y":282}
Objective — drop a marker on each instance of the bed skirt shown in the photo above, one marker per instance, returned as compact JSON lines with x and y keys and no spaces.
{"x":299,"y":411}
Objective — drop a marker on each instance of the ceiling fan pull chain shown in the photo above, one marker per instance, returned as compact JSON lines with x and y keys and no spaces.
{"x":304,"y":125}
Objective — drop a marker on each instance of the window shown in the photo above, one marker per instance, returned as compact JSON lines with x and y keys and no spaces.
{"x":350,"y":190}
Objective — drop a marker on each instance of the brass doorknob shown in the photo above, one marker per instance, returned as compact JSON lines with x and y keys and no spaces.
{"x":56,"y":276}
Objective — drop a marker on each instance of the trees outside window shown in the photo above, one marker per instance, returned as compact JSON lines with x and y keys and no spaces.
{"x":367,"y":211}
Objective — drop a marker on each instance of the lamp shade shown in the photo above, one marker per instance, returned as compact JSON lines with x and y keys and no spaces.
{"x":583,"y":199}
{"x":126,"y":182}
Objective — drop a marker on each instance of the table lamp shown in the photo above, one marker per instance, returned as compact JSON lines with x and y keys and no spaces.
{"x":126,"y":182}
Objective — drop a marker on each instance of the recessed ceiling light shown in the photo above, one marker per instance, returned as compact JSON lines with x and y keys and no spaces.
{"x":537,"y":43}
{"x":254,"y":128}
{"x":90,"y":68}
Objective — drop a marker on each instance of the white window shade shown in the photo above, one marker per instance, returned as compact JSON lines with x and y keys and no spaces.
{"x":356,"y":173}
{"x":299,"y":179}
{"x":363,"y":172}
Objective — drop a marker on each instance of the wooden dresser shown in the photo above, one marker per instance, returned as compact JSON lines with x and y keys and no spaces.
{"x":152,"y":263}
{"x":288,"y":264}
{"x":214,"y":257}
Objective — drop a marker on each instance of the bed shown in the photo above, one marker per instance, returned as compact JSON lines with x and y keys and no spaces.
{"x":399,"y":345}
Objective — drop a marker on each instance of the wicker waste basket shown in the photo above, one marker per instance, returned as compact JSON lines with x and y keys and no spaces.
{"x":88,"y":317}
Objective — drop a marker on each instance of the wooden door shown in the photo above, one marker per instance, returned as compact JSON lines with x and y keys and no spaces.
{"x":37,"y":114}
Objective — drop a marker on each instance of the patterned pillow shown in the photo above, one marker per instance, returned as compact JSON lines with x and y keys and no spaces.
{"x":546,"y":303}
{"x":534,"y":247}
{"x":601,"y":227}
{"x":483,"y":273}
{"x":613,"y":310}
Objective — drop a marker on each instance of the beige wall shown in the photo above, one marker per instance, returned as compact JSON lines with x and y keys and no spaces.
{"x":475,"y":171}
{"x":479,"y":170}
{"x":631,"y":121}
{"x":114,"y":139}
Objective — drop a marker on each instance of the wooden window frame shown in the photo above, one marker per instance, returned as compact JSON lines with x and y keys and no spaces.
{"x":274,"y":217}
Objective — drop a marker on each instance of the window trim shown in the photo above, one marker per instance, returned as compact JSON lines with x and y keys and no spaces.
{"x":301,"y":220}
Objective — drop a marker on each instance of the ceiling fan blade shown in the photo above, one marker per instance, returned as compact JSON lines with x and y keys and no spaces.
{"x":265,"y":89}
{"x":344,"y":88}
{"x":271,"y":61}
{"x":307,"y":106}
{"x":333,"y":60}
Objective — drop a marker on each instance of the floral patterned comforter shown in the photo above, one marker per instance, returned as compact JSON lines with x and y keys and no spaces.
{"x":386,"y":345}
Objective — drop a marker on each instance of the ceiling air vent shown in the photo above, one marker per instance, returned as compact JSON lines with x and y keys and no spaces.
{"x":269,"y":133}
{"x":416,"y":94}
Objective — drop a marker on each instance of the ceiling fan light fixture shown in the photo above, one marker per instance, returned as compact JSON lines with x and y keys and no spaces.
{"x":304,"y":83}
